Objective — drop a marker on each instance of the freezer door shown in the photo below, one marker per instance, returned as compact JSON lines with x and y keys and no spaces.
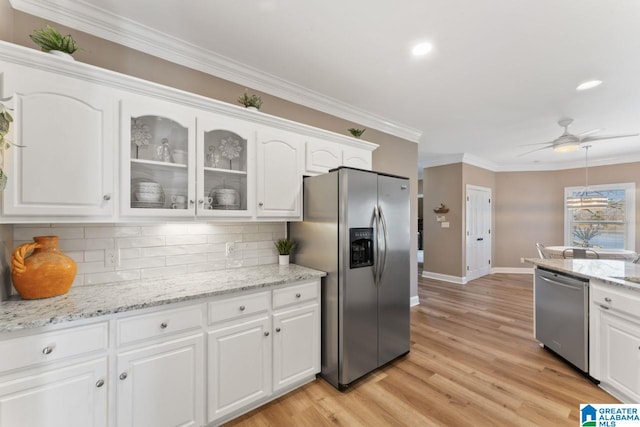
{"x":393,"y":290}
{"x":358,"y":300}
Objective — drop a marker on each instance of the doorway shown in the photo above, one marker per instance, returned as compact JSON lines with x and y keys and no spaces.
{"x":478,"y":232}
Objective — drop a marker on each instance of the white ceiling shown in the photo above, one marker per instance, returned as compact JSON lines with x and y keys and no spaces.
{"x":501,"y":73}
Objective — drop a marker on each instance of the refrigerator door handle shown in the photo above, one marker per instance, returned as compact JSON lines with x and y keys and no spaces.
{"x":375,"y":221}
{"x":383,"y":262}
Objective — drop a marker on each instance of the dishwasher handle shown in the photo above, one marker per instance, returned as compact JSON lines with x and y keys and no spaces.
{"x":576,"y":287}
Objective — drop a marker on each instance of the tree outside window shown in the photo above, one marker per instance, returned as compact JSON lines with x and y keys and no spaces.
{"x":612,"y":227}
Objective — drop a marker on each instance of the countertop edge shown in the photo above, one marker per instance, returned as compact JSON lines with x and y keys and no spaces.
{"x":52,"y":311}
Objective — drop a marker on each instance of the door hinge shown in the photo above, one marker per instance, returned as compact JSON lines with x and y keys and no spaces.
{"x":467,"y":268}
{"x":489,"y":231}
{"x":489,"y":201}
{"x":467,"y":198}
{"x":489,"y":262}
{"x":468,"y":233}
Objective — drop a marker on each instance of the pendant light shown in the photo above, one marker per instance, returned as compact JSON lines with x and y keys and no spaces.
{"x":584,"y":200}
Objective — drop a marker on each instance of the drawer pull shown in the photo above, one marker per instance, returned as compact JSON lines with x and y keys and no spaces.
{"x":123,"y":376}
{"x":607,"y":299}
{"x":100,"y":383}
{"x":266,"y":334}
{"x":277,"y":329}
{"x":164,"y":325}
{"x":48,"y":349}
{"x":604,"y":306}
{"x":298,"y":295}
{"x":242,"y":307}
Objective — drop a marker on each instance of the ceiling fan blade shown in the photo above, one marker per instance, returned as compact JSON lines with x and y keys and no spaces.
{"x":549,"y":143}
{"x":601,"y":137}
{"x":587,"y":133}
{"x":537,"y":149}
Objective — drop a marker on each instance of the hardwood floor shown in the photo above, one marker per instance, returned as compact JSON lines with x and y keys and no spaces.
{"x":473,"y":362}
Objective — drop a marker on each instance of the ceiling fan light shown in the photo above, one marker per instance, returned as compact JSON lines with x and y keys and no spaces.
{"x":566,"y":147}
{"x":589,"y":84}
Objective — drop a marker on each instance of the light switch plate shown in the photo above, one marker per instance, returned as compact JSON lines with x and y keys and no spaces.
{"x":444,"y":224}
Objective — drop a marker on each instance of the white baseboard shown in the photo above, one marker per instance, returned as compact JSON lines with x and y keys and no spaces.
{"x":445,"y":277}
{"x":415,"y":301}
{"x":512,"y":270}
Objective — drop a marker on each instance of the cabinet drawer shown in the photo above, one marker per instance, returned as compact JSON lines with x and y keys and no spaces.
{"x":52,"y":346}
{"x":617,"y":299}
{"x":160,"y":323}
{"x":295,"y":294}
{"x":243,"y":305}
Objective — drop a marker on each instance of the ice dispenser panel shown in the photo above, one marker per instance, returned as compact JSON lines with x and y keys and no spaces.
{"x":361,"y":247}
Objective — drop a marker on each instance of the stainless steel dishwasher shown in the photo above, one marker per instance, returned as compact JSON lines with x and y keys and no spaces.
{"x":562,"y":315}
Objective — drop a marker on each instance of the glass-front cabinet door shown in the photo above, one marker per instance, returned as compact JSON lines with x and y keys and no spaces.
{"x":158,"y":158}
{"x":225,"y":159}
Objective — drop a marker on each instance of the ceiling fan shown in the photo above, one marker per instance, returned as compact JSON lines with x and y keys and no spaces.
{"x":569,"y":142}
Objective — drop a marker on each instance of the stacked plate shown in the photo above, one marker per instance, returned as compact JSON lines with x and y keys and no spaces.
{"x":146,"y":193}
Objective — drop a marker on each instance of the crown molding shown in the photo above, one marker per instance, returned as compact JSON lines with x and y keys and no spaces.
{"x":100,"y":23}
{"x":470,"y":159}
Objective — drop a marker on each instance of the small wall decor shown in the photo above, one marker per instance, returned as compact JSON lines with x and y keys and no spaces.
{"x":442,"y":209}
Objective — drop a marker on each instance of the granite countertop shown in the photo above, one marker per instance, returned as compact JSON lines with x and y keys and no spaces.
{"x":84,"y":302}
{"x":614,"y":272}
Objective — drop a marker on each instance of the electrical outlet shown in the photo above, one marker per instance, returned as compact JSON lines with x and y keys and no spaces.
{"x":111,"y":257}
{"x":521,"y":260}
{"x":230,"y":249}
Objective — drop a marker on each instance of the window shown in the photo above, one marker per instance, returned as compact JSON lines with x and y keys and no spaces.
{"x":612,"y":227}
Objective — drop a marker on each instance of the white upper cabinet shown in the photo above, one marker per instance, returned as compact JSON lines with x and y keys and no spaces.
{"x":157,"y":176}
{"x":66,"y":125}
{"x":279,"y":174}
{"x":225,"y":167}
{"x":357,"y":158}
{"x":322,"y":156}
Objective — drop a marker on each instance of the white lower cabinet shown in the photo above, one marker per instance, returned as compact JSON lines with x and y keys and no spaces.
{"x":239,"y":366}
{"x":69,"y":396}
{"x":296,"y":345}
{"x":615,"y":340}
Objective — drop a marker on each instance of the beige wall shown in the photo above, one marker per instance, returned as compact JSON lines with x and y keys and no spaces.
{"x":528,"y":207}
{"x":395,"y":155}
{"x":443,"y":252}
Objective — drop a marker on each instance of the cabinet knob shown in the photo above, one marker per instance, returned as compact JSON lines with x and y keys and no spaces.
{"x":261,"y":204}
{"x":266,"y":334}
{"x":164,"y":325}
{"x":48,"y":349}
{"x":298,"y":295}
{"x":242,"y":308}
{"x":277,"y":329}
{"x":607,"y":299}
{"x":100,"y":383}
{"x":192,"y":202}
{"x":200,"y":201}
{"x":123,"y":376}
{"x":106,"y":197}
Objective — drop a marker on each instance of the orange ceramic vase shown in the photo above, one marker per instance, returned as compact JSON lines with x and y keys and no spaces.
{"x":47,"y":272}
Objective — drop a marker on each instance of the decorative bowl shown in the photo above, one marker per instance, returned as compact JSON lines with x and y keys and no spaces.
{"x":226,"y":196}
{"x":148,"y":197}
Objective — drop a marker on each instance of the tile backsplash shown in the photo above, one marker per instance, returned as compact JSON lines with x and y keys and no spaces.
{"x":116,"y":252}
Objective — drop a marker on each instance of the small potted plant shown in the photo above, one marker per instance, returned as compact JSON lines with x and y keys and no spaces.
{"x":50,"y":40}
{"x":356,"y":132}
{"x":250,"y":101}
{"x":284,"y":247}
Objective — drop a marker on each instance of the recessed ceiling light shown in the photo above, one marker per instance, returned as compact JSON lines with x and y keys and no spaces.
{"x":589,"y":84}
{"x":421,"y":49}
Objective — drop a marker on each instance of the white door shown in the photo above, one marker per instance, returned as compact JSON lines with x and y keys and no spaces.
{"x":239,"y":366}
{"x":296,"y":345}
{"x":162,"y":384}
{"x":73,"y":396}
{"x":478,"y":231}
{"x":620,"y":353}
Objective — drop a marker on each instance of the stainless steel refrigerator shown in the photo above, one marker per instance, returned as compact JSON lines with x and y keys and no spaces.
{"x":356,"y":228}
